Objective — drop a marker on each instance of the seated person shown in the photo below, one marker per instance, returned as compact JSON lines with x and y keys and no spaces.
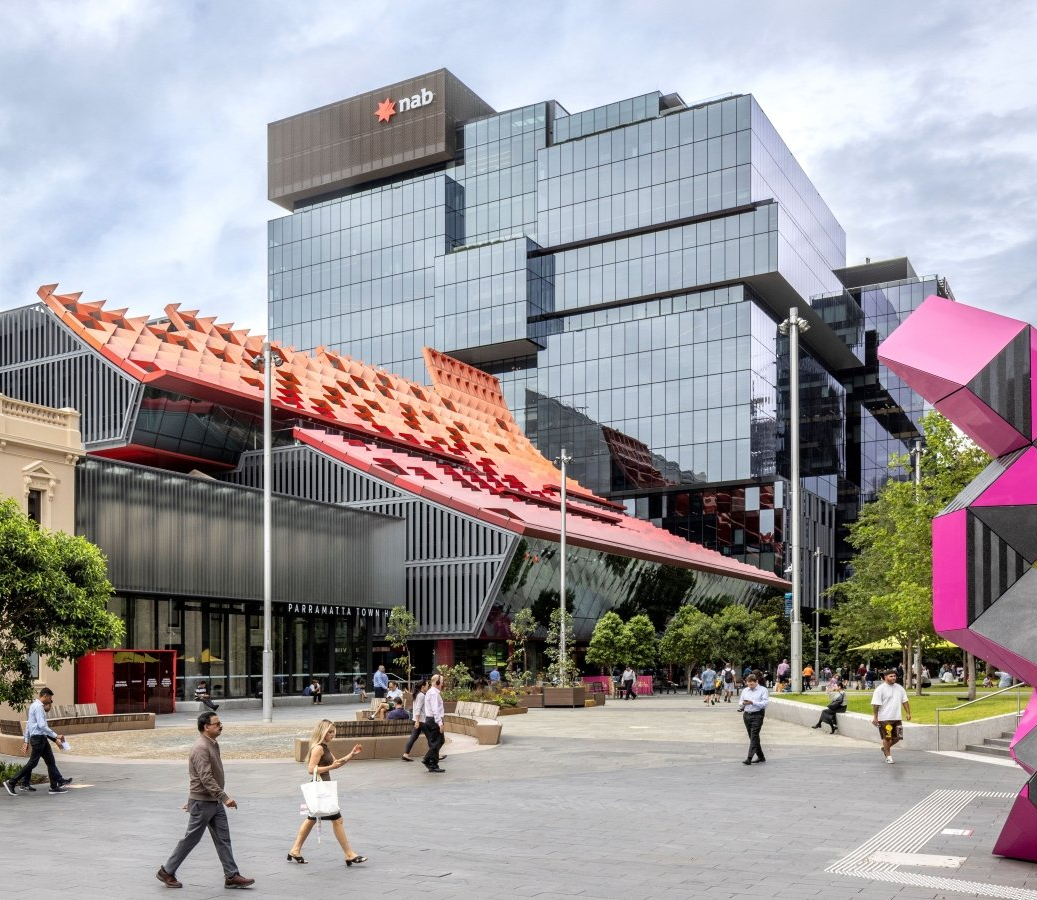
{"x":201,"y":694}
{"x":315,"y":690}
{"x":360,"y":689}
{"x":393,"y":692}
{"x":397,"y":711}
{"x":836,"y":704}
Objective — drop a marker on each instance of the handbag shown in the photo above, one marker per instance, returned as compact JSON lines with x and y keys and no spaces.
{"x":321,"y":797}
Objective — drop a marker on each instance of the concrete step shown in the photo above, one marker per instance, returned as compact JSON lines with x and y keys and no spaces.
{"x":988,"y":749}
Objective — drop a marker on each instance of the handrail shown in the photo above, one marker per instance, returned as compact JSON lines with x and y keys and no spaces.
{"x":1018,"y":705}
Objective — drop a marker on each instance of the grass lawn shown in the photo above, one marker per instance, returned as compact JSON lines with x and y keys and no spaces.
{"x":923,"y":709}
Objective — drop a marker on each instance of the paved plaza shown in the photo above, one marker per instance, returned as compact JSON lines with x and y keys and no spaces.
{"x":642,"y":799}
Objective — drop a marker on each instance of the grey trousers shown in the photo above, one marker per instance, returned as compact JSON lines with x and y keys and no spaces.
{"x":205,"y":814}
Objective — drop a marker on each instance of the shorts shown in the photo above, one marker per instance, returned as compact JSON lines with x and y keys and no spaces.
{"x":337,"y":815}
{"x":892,"y":730}
{"x":707,"y":691}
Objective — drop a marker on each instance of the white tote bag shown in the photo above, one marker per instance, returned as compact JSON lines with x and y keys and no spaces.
{"x":321,"y":796}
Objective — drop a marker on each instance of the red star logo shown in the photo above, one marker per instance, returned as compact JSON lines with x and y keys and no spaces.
{"x":386,"y":110}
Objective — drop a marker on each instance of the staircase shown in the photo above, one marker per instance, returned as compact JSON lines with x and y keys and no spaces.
{"x":993,"y":746}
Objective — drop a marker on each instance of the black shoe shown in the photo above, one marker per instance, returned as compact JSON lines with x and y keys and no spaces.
{"x":761,"y":759}
{"x":435,"y":770}
{"x":426,"y":764}
{"x":27,"y":788}
{"x":834,"y":730}
{"x":215,"y":707}
{"x":57,"y":789}
{"x":747,"y":762}
{"x":9,"y":787}
{"x":815,"y":726}
{"x":63,"y":781}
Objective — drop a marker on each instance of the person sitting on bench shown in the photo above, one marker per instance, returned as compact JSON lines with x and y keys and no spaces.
{"x":836,"y":704}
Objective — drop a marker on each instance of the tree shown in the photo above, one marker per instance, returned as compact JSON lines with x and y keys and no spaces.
{"x":641,"y":643}
{"x":608,"y":646}
{"x":522,"y":627}
{"x":400,"y":628}
{"x":570,"y":672}
{"x":54,"y":592}
{"x":746,"y":637}
{"x":892,"y":537}
{"x":690,"y":637}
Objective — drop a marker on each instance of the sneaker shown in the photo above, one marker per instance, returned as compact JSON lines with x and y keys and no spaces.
{"x":889,"y":759}
{"x":58,"y":789}
{"x":9,"y":787}
{"x":64,"y":781}
{"x":27,"y":789}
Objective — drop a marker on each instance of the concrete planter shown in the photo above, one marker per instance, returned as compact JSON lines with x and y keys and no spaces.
{"x":916,"y":737}
{"x":567,"y":696}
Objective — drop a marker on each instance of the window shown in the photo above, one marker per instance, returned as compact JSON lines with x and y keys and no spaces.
{"x":35,"y":506}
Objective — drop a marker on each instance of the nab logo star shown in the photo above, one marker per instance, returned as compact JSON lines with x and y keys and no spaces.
{"x":386,"y":110}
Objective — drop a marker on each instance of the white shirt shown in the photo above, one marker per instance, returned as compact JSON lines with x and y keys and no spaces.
{"x":393,"y":694}
{"x":434,"y":705}
{"x":888,"y":698}
{"x":754,"y":699}
{"x":419,"y":707}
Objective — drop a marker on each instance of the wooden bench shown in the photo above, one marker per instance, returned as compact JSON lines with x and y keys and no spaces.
{"x":366,"y":714}
{"x":478,"y":720}
{"x":380,"y":740}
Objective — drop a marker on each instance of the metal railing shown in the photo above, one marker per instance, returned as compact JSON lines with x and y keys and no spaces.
{"x":1018,"y":688}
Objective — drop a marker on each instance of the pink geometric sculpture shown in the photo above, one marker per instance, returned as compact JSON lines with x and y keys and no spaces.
{"x":977,"y":368}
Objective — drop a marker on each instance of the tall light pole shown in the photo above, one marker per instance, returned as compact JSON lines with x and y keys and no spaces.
{"x":562,"y":460}
{"x":792,"y":326}
{"x":266,"y":364}
{"x":916,"y":459}
{"x":817,"y":609}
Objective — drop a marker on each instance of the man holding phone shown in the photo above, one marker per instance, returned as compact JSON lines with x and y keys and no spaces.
{"x":38,"y":735}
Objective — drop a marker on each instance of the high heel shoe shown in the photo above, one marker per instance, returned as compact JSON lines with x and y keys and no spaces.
{"x":356,"y":860}
{"x":293,"y":858}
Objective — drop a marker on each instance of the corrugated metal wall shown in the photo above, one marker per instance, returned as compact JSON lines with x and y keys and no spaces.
{"x":42,"y":362}
{"x":453,"y":562}
{"x":167,"y":533}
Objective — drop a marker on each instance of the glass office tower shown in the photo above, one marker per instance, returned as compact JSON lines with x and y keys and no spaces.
{"x":622,"y":271}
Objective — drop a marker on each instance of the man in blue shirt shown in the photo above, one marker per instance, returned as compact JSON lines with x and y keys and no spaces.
{"x":381,"y":682}
{"x":753,"y":702}
{"x":494,"y":678}
{"x":37,"y":736}
{"x":398,"y":712}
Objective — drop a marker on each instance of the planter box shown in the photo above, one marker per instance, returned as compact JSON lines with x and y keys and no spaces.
{"x":557,"y":696}
{"x":449,"y":706}
{"x":531,"y":701}
{"x":511,"y":711}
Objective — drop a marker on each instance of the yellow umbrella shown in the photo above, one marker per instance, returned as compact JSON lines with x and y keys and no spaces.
{"x":208,"y":657}
{"x":891,"y":643}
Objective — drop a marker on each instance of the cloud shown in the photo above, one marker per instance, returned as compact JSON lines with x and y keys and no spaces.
{"x":133,"y":134}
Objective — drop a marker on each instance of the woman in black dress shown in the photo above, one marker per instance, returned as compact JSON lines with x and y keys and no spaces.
{"x":322,"y":761}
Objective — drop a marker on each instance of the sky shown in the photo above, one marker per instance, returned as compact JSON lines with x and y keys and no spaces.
{"x":133,"y":132}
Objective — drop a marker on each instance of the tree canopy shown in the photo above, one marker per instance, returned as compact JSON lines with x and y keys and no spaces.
{"x":400,"y":628}
{"x":608,"y":645}
{"x":641,"y":643}
{"x":54,"y":592}
{"x":690,"y":638}
{"x":890,"y":592}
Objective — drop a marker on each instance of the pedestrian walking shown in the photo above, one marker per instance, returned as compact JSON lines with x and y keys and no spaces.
{"x":753,"y":704}
{"x":205,"y":806}
{"x":727,"y":676}
{"x":38,"y":735}
{"x":419,"y":719}
{"x":320,"y":762}
{"x":627,"y":679}
{"x":709,"y":685}
{"x":886,"y":702}
{"x":434,"y":725}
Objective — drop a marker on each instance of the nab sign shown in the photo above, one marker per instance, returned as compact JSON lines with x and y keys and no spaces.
{"x":387,"y":108}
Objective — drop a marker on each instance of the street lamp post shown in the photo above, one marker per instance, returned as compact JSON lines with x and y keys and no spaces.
{"x":792,"y":326}
{"x":562,"y":460}
{"x":266,"y":363}
{"x":817,"y":609}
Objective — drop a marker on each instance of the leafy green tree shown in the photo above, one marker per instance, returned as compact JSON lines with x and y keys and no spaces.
{"x":54,"y":592}
{"x":521,"y":628}
{"x":892,"y":565}
{"x":608,"y":646}
{"x":690,"y":638}
{"x":400,"y":628}
{"x":744,"y":636}
{"x":568,"y":673}
{"x":641,"y":643}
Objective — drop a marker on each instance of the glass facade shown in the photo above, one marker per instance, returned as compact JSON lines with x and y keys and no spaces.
{"x":622,"y":271}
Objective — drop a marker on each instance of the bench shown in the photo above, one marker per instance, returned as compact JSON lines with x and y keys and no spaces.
{"x":366,"y":714}
{"x":380,"y":740}
{"x":478,"y":720}
{"x":79,"y":718}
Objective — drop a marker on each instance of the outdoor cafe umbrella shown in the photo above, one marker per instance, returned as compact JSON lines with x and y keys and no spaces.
{"x":891,"y":643}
